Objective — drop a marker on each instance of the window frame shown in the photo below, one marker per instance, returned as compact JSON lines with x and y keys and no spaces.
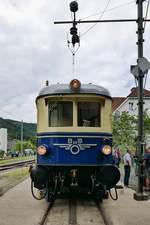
{"x":65,"y":100}
{"x":75,"y":112}
{"x":100,"y":112}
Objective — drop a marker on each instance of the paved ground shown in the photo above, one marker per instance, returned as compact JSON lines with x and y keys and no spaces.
{"x":126,"y":210}
{"x":10,"y":178}
{"x":17,"y":207}
{"x":133,"y":181}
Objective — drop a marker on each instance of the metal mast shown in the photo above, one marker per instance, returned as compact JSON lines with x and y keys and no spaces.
{"x":139,"y":195}
{"x":21,"y":137}
{"x":139,"y":76}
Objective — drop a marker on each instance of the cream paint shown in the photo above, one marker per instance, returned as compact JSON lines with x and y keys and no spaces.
{"x":42,"y":114}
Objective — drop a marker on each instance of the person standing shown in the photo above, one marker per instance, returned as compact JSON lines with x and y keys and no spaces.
{"x":127,"y":167}
{"x":117,"y":157}
{"x":147,"y":167}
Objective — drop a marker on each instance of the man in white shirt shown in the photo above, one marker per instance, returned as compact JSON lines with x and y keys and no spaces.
{"x":127,"y":167}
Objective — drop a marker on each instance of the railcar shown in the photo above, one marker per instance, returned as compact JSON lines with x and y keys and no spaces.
{"x":74,"y":140}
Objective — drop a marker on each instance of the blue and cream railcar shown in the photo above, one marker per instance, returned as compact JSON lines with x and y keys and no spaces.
{"x":74,"y":137}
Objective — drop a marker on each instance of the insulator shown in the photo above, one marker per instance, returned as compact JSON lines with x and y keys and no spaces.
{"x":73,"y":30}
{"x":75,"y":39}
{"x":74,"y":6}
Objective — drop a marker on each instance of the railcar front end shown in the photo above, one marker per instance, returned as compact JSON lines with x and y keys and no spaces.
{"x":74,"y":139}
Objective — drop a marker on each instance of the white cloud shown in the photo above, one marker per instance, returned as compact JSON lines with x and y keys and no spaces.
{"x":33,"y":50}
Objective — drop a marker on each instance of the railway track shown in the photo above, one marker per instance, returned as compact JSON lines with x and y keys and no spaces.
{"x":15,"y":164}
{"x":73,"y":211}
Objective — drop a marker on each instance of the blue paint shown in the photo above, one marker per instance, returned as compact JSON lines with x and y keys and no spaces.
{"x":59,"y":148}
{"x":109,"y":135}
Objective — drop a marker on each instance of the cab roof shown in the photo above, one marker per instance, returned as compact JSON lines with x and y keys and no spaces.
{"x":65,"y":89}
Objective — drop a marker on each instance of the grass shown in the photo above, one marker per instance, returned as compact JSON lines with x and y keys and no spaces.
{"x":18,"y":174}
{"x":16,"y":159}
{"x":11,"y":178}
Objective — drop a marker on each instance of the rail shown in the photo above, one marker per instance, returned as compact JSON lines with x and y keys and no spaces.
{"x":74,"y":211}
{"x":15,"y":164}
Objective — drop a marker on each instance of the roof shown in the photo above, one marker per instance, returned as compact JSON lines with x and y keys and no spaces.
{"x":117,"y":101}
{"x":134,"y":92}
{"x":64,"y":89}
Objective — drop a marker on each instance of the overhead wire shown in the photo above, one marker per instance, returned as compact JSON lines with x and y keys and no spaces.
{"x":73,"y":64}
{"x":146,"y":14}
{"x":101,"y":15}
{"x":73,"y":60}
{"x":147,"y":9}
{"x":105,"y":8}
{"x":108,"y":10}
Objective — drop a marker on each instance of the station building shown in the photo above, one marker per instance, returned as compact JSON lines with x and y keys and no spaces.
{"x":3,"y":139}
{"x":130,"y":103}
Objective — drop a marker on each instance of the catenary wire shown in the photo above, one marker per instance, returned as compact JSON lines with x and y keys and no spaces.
{"x":108,"y":10}
{"x":147,"y":9}
{"x":108,"y":2}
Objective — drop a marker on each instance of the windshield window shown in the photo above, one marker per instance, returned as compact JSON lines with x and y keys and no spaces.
{"x":60,"y":114}
{"x":89,"y":114}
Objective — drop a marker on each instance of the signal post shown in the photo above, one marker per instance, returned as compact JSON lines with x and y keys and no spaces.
{"x":137,"y":70}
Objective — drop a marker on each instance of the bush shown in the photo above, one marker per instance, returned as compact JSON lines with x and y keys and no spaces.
{"x":1,"y":153}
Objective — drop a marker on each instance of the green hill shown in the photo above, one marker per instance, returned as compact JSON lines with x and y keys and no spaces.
{"x":14,"y":129}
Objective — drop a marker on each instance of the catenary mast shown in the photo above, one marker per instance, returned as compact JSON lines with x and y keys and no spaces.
{"x":139,"y":195}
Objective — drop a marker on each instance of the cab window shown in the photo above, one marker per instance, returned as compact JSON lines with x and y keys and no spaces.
{"x":60,"y":114}
{"x":88,"y":114}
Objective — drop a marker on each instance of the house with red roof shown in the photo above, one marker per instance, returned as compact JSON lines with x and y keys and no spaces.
{"x":130,"y":103}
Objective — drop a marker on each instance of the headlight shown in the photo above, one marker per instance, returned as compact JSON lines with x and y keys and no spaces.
{"x":106,"y":150}
{"x":42,"y":150}
{"x":75,"y":84}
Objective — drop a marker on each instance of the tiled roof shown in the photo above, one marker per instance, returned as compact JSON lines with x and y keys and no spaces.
{"x":117,"y":101}
{"x":134,"y":92}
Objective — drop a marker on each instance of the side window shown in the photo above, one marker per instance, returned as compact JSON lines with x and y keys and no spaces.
{"x":60,"y":114}
{"x":131,"y":106}
{"x":89,"y":114}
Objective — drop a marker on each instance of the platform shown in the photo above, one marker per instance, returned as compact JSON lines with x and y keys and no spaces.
{"x":17,"y":207}
{"x":126,"y":210}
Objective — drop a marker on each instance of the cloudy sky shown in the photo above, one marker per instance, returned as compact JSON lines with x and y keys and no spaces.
{"x":33,"y":49}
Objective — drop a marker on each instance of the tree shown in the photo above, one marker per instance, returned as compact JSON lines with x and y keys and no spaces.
{"x":146,"y":123}
{"x":33,"y":141}
{"x":25,"y":145}
{"x":147,"y":128}
{"x":124,"y":130}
